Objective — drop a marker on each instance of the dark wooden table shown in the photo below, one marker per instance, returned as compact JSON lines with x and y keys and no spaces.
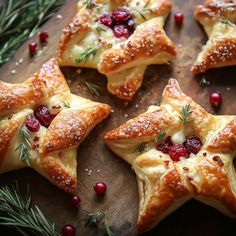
{"x":121,"y":200}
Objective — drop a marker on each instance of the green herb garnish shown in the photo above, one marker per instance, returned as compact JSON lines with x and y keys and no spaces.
{"x":90,"y":4}
{"x":186,"y":112}
{"x":66,"y":104}
{"x":23,"y":148}
{"x":93,"y":88}
{"x":100,"y":29}
{"x":226,"y":22}
{"x":160,"y":136}
{"x":16,"y":212}
{"x":140,"y":148}
{"x":84,"y":56}
{"x":95,"y":218}
{"x":204,"y":82}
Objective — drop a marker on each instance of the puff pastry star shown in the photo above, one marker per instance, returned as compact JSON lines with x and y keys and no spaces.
{"x":203,"y":171}
{"x":218,"y":19}
{"x":48,"y":144}
{"x":119,"y":38}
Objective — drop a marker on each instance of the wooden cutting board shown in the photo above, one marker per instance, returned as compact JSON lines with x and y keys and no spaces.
{"x":121,"y":200}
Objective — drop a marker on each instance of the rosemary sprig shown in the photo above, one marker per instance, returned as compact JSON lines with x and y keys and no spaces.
{"x":204,"y":82}
{"x":100,"y":29}
{"x":160,"y":136}
{"x":224,"y":21}
{"x":90,"y":4}
{"x":23,"y":148}
{"x":93,"y":88}
{"x":186,"y":112}
{"x":140,"y":148}
{"x":66,"y":104}
{"x":20,"y":20}
{"x":95,"y":218}
{"x":84,"y":56}
{"x":142,"y":11}
{"x":16,"y":212}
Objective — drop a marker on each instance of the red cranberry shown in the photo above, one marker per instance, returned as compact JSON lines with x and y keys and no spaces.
{"x":131,"y":25}
{"x":193,"y":144}
{"x":121,"y":31}
{"x":44,"y":116}
{"x":121,"y":15}
{"x":68,"y":230}
{"x":100,"y":188}
{"x":75,"y":201}
{"x":164,"y":147}
{"x":32,"y":124}
{"x":178,"y":150}
{"x":43,"y":36}
{"x":218,"y":160}
{"x":179,"y":17}
{"x":107,"y":20}
{"x":32,"y":48}
{"x":215,"y":99}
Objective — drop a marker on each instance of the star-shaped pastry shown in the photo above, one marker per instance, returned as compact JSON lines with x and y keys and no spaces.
{"x":119,"y":38}
{"x":178,"y":151}
{"x":42,"y":124}
{"x":218,"y":19}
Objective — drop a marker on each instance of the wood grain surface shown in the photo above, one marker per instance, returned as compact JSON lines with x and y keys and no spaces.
{"x":121,"y":200}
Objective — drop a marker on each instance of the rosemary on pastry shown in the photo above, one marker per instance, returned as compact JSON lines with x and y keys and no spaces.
{"x":186,"y":112}
{"x":224,"y":21}
{"x":160,"y":136}
{"x":100,"y":29}
{"x":66,"y":104}
{"x":23,"y":148}
{"x":93,"y":88}
{"x":204,"y":82}
{"x":17,"y":212}
{"x":90,"y":4}
{"x":84,"y":56}
{"x":20,"y":20}
{"x":95,"y":218}
{"x":140,"y":148}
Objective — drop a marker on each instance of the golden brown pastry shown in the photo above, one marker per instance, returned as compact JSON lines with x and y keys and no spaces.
{"x":218,"y":19}
{"x":178,"y":151}
{"x":119,"y":38}
{"x":42,"y":124}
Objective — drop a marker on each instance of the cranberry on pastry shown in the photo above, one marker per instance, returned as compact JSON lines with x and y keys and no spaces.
{"x":120,"y":39}
{"x":178,"y":151}
{"x":42,"y":124}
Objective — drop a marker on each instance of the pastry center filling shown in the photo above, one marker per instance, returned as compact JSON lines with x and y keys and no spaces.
{"x":192,"y":144}
{"x":120,"y":21}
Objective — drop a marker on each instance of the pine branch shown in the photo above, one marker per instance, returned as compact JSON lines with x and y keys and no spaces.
{"x":20,"y":20}
{"x":16,"y":212}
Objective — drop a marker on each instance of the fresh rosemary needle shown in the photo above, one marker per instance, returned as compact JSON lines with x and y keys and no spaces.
{"x":186,"y":112}
{"x":160,"y":136}
{"x":93,"y":88}
{"x":84,"y":56}
{"x":66,"y":104}
{"x":140,"y":148}
{"x":94,"y":218}
{"x":17,"y":212}
{"x":23,"y":148}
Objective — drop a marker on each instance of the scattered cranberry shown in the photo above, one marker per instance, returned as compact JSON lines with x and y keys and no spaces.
{"x":193,"y":144}
{"x":121,"y":15}
{"x":121,"y":31}
{"x":215,"y":99}
{"x":165,"y":147}
{"x":131,"y":25}
{"x":179,"y":17}
{"x":44,"y":116}
{"x":43,"y":36}
{"x":178,"y":150}
{"x":32,"y":48}
{"x":32,"y":124}
{"x":68,"y":230}
{"x":75,"y":201}
{"x":100,"y":188}
{"x":107,"y":20}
